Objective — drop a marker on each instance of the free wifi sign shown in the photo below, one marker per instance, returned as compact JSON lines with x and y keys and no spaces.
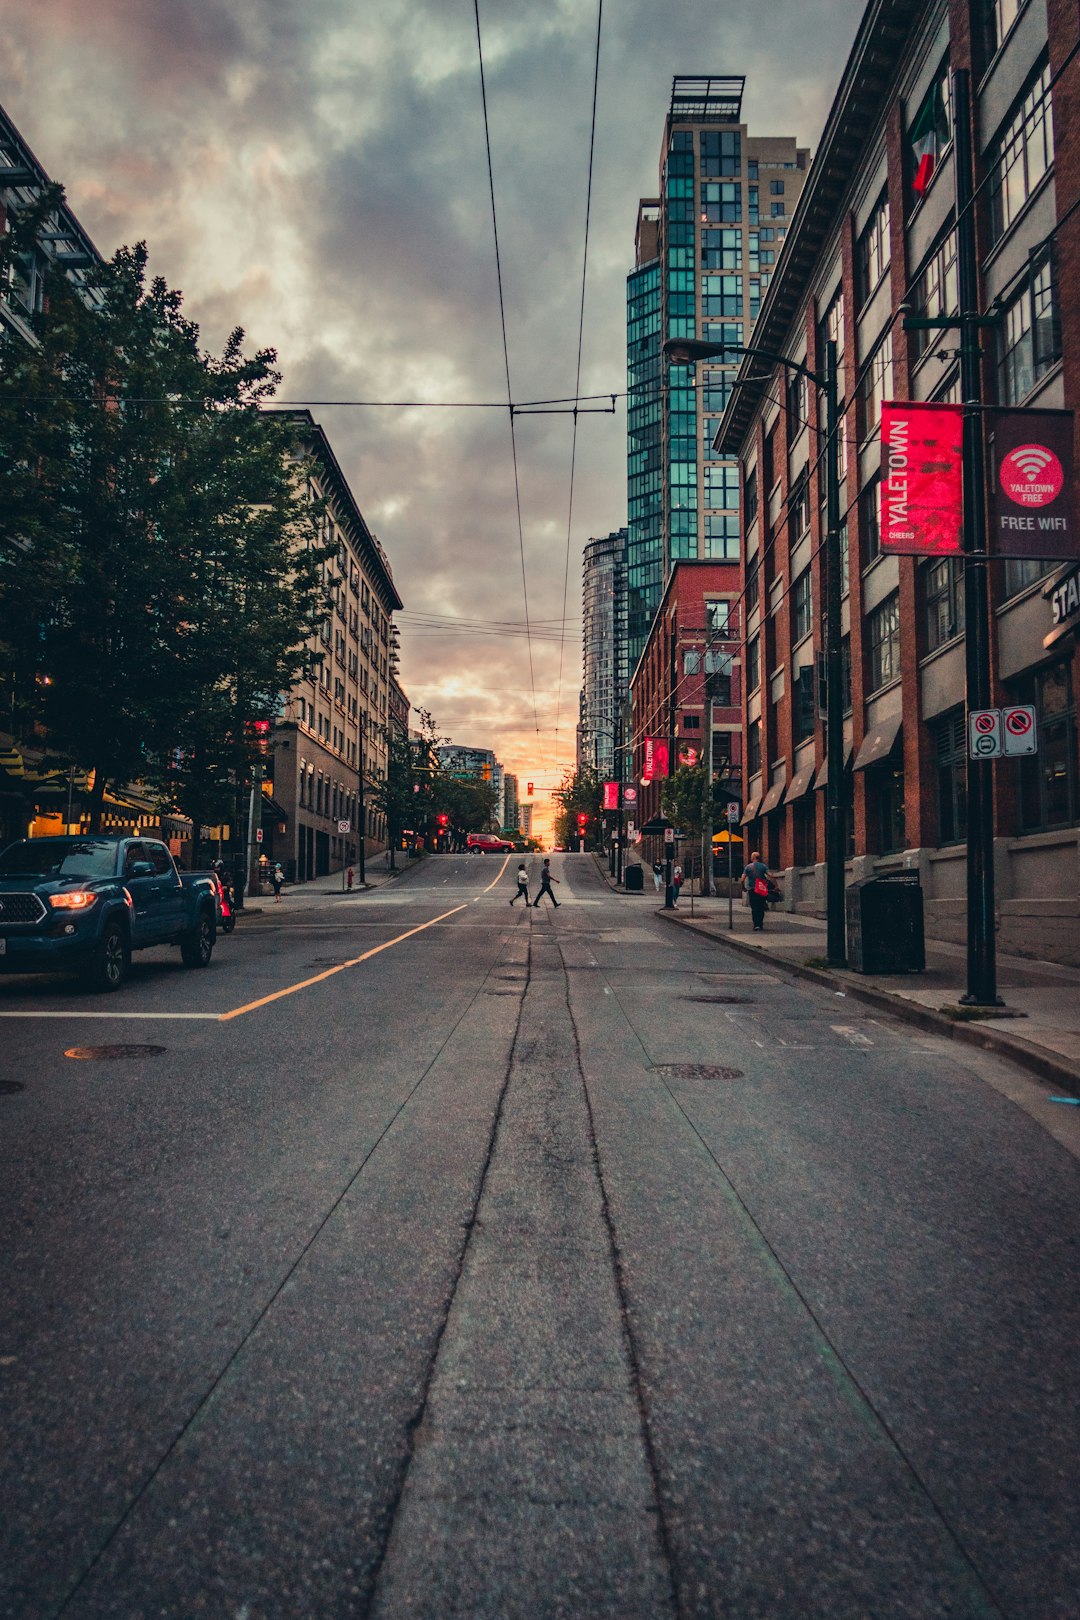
{"x":1031,"y":475}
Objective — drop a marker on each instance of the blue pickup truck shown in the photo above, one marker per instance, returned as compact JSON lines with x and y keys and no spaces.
{"x":84,"y":904}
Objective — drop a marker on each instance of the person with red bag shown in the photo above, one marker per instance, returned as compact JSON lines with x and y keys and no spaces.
{"x":756,"y":884}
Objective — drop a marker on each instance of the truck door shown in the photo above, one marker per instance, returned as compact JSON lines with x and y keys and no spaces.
{"x":170,"y":897}
{"x":141,"y":882}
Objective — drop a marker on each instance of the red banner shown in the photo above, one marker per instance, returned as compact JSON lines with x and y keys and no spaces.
{"x":922,"y":486}
{"x":656,"y":759}
{"x":611,"y":795}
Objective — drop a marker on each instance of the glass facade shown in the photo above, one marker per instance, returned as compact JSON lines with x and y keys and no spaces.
{"x":605,"y":672}
{"x":702,"y":278}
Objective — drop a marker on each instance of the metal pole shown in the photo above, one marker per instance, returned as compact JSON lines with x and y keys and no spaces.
{"x":669,"y":865}
{"x":707,"y":819}
{"x":981,"y":944}
{"x":256,"y":792}
{"x":730,"y":909}
{"x":620,"y":772}
{"x":835,"y":795}
{"x":361,"y":814}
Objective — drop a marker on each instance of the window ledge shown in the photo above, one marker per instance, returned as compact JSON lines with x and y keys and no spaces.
{"x":887,"y":687}
{"x":942,"y":647}
{"x":996,"y":58}
{"x":1021,"y":596}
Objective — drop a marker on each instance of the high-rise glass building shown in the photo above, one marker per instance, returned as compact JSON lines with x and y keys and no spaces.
{"x":704,"y":253}
{"x":606,"y":673}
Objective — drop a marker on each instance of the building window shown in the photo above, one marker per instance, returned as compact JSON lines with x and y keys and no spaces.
{"x":802,"y":603}
{"x":877,"y":385}
{"x":831,"y":328}
{"x":753,"y":664}
{"x":949,"y":735}
{"x":998,"y":17}
{"x":934,"y":111}
{"x":796,"y":399}
{"x":1022,"y":155}
{"x":753,"y":747}
{"x":721,"y":250}
{"x":935,"y":292}
{"x":753,"y":583}
{"x":804,"y":829}
{"x":722,"y":536}
{"x":776,"y":188}
{"x":799,"y":507}
{"x":885,"y":788}
{"x":716,"y":389}
{"x":722,"y":486}
{"x":884,"y":626}
{"x":721,"y":203}
{"x":777,"y":210}
{"x":803,"y":703}
{"x":872,"y":250}
{"x":1049,"y":793}
{"x":750,"y":496}
{"x":721,"y":295}
{"x":751,"y":168}
{"x":1029,"y":338}
{"x":753,"y":209}
{"x":721,"y":152}
{"x":1020,"y":572}
{"x":944,"y":595}
{"x":870,"y":513}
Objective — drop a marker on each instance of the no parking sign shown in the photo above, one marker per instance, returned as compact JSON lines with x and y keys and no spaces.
{"x":994,"y":732}
{"x":1019,"y":733}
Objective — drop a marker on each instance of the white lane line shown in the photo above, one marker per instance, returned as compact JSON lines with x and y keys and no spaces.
{"x":33,"y":1014}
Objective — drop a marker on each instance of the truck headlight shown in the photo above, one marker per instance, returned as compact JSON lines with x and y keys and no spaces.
{"x":73,"y":900}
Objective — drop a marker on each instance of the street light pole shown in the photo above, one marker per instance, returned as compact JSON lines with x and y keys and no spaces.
{"x":682,"y":351}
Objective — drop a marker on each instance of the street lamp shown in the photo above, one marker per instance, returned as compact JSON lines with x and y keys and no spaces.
{"x":682,"y":351}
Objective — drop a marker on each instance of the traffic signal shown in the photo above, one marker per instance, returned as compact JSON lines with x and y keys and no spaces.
{"x":528,"y":789}
{"x":444,"y":820}
{"x":582,"y":820}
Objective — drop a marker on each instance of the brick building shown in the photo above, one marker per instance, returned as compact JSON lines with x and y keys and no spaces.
{"x":695,"y":637}
{"x":863,"y":242}
{"x":336,"y":720}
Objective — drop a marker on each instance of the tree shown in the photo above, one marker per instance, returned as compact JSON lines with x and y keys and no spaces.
{"x":684,"y":799}
{"x":469,"y":802}
{"x":160,"y":563}
{"x":580,"y":794}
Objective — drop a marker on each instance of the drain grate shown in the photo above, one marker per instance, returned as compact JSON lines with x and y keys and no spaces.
{"x":721,"y":1001}
{"x":130,"y":1051}
{"x":697,"y":1071}
{"x":8,"y":1088}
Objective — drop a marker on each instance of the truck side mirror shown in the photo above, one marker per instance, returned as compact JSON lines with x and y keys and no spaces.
{"x":142,"y":869}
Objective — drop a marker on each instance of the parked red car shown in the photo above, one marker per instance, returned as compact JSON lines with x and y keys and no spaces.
{"x":488,"y":844}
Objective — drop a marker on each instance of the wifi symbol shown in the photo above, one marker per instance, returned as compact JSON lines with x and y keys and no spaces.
{"x":1031,"y":460}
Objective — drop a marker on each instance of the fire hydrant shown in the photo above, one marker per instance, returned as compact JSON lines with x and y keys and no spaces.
{"x":348,"y":877}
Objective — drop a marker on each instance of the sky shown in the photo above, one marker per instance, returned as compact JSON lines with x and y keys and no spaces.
{"x":315,"y":171}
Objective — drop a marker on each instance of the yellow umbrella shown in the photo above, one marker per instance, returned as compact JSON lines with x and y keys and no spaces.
{"x":726,"y":837}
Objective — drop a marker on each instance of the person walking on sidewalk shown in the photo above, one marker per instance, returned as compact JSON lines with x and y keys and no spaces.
{"x":657,"y":876}
{"x":676,"y":883}
{"x":756,"y":884}
{"x":522,"y":883}
{"x":546,"y":880}
{"x":277,"y":878}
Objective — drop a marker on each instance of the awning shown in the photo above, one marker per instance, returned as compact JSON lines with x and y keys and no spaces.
{"x":272,"y":810}
{"x":822,"y":776}
{"x":878,"y":744}
{"x":799,"y":783}
{"x":772,"y":798}
{"x":749,"y":812}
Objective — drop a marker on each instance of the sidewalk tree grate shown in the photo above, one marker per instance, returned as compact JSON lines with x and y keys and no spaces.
{"x":696,"y":1071}
{"x":131,"y":1050}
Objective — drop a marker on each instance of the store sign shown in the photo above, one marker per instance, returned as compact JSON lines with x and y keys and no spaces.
{"x":1032,"y":511}
{"x":921,"y":478}
{"x":611,"y":795}
{"x":656,"y":759}
{"x":1064,"y":605}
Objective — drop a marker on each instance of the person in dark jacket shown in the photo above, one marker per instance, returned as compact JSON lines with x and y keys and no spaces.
{"x":756,"y":884}
{"x":546,"y":880}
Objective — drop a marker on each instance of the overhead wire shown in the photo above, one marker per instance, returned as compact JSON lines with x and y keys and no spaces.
{"x":580,"y":344}
{"x":506,"y":354}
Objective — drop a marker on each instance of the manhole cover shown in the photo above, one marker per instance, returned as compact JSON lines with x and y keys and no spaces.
{"x":130,"y":1051}
{"x":8,"y":1088}
{"x":697,"y":1071}
{"x":722,"y":1001}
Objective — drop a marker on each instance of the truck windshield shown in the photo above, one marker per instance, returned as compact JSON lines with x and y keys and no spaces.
{"x":60,"y":858}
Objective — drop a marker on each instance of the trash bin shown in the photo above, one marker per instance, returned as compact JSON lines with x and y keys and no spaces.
{"x":634,"y":879}
{"x":885,"y":924}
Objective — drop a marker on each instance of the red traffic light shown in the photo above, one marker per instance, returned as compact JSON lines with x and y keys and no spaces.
{"x":444,"y":820}
{"x":528,"y":789}
{"x":582,"y":819}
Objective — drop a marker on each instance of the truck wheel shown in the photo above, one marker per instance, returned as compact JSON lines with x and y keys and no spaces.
{"x":197,"y":947}
{"x":107,"y":965}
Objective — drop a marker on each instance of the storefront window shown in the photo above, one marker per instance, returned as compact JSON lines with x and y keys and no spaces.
{"x":950,"y":749}
{"x":1049,"y":794}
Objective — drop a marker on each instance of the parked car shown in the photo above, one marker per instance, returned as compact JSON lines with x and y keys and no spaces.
{"x":85,"y":903}
{"x":488,"y":844}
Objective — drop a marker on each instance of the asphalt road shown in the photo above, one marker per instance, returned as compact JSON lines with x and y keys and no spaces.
{"x":531,"y":1264}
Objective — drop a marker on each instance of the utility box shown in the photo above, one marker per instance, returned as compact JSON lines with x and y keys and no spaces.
{"x":885,"y":924}
{"x":634,"y":879}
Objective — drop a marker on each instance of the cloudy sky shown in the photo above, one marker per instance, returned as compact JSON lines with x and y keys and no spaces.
{"x":315,"y":171}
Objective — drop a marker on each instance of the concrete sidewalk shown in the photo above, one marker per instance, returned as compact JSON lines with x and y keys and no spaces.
{"x":1039,"y":1026}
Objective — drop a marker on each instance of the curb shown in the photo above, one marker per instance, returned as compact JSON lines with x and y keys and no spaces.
{"x":1036,"y":1059}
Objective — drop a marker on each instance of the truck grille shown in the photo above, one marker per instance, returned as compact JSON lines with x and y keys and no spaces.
{"x":20,"y":908}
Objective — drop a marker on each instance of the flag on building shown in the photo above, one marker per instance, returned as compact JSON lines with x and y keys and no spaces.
{"x":929,"y":135}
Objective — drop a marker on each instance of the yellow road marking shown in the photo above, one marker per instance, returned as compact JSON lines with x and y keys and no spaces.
{"x":354,"y":961}
{"x":498,"y":874}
